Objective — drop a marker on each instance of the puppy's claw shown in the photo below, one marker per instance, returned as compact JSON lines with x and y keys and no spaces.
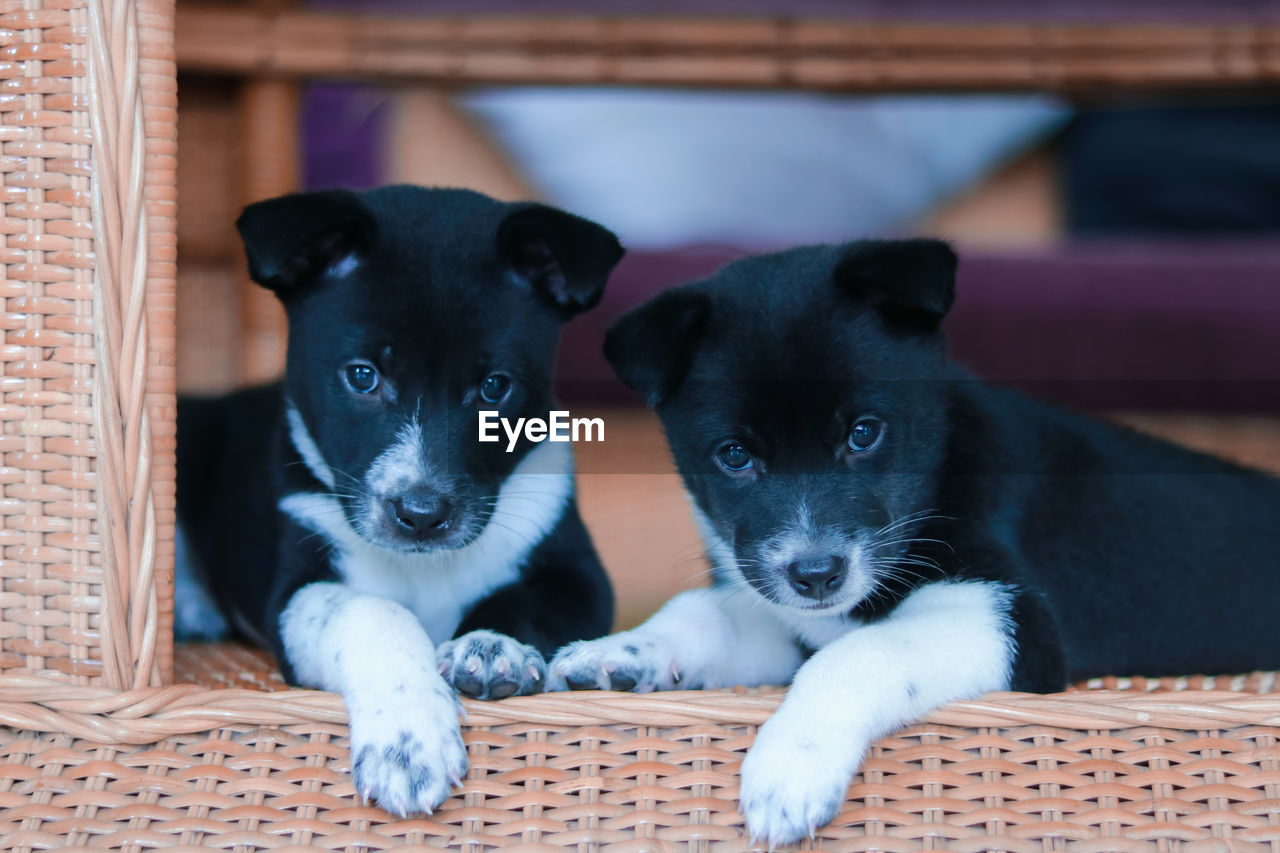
{"x":627,"y":661}
{"x":409,"y":769}
{"x":488,"y":665}
{"x":790,"y":786}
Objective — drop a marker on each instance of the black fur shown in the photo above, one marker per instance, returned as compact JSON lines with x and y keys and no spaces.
{"x":436,"y":289}
{"x":1129,"y":555}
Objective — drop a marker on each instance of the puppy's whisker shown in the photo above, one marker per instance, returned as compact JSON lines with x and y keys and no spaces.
{"x":522,"y":535}
{"x":912,"y":541}
{"x":919,"y":517}
{"x":898,"y":564}
{"x":902,"y":522}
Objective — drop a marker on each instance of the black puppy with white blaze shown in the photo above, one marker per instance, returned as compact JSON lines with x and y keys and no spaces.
{"x":349,"y":519}
{"x":890,"y":534}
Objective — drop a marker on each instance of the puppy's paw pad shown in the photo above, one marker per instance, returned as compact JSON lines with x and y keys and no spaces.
{"x":407,"y":758}
{"x":620,"y":662}
{"x":789,"y":790}
{"x":488,"y":665}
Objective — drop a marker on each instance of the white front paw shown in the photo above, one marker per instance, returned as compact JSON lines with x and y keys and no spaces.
{"x":793,"y":781}
{"x":406,"y":747}
{"x":488,"y":665}
{"x":626,"y":661}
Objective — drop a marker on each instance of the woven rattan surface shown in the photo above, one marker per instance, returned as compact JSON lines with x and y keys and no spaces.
{"x":1168,"y":765}
{"x":753,"y":51}
{"x":86,"y":448}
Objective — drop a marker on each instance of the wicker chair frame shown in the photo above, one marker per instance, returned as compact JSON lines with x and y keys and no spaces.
{"x":105,"y":746}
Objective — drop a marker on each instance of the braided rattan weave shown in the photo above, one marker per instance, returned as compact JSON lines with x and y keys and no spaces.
{"x":1192,"y":765}
{"x":87,"y":120}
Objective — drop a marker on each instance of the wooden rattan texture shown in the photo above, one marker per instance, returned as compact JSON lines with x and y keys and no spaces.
{"x":86,"y":449}
{"x":1161,"y":766}
{"x":745,"y":51}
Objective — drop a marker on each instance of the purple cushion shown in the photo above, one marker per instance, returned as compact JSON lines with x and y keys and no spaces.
{"x":1187,"y":326}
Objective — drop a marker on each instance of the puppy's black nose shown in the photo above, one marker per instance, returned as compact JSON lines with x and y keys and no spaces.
{"x":420,"y":514}
{"x":818,"y":579}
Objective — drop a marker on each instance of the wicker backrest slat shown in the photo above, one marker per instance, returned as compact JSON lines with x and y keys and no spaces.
{"x":86,"y":448}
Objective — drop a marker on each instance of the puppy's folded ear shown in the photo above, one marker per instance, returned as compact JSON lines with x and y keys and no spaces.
{"x":292,"y":239}
{"x":912,"y":283}
{"x":564,"y":258}
{"x":650,"y":347}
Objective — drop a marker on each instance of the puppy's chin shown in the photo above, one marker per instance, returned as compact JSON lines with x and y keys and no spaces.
{"x":806,"y":607}
{"x":452,"y":542}
{"x":774,"y":590}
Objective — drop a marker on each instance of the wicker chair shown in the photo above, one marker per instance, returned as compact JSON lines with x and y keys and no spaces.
{"x":115,"y":741}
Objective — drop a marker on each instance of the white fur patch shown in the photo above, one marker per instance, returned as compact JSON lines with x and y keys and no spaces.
{"x":945,"y":641}
{"x":406,"y":747}
{"x":438,"y":587}
{"x":701,"y":638}
{"x":402,"y":464}
{"x":815,"y":630}
{"x":306,"y":447}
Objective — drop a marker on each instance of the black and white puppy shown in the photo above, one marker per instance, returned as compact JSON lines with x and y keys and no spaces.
{"x":889,"y":534}
{"x":349,"y":519}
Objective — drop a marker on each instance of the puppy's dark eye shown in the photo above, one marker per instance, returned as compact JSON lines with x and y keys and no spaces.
{"x":495,"y":388}
{"x":361,"y":377}
{"x":865,"y":434}
{"x":733,"y":457}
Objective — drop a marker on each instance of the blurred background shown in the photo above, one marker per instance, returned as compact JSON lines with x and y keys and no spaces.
{"x":1110,"y":174}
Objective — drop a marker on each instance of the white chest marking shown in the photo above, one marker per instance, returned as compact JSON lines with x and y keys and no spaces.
{"x":439,"y":587}
{"x":816,"y":630}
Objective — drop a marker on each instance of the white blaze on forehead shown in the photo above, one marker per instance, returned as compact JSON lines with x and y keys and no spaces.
{"x":401,"y":465}
{"x":307,"y":448}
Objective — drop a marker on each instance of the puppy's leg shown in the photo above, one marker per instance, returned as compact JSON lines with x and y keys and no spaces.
{"x":406,"y":745}
{"x":701,"y":638}
{"x":563,"y":595}
{"x":945,"y":641}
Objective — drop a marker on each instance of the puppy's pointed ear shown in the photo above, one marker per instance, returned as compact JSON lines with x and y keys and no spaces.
{"x":651,"y":347}
{"x":912,"y":283}
{"x":564,"y":258}
{"x":292,"y":239}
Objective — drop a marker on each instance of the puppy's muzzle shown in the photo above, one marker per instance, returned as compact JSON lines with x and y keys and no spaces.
{"x":419,"y":515}
{"x":818,"y":578}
